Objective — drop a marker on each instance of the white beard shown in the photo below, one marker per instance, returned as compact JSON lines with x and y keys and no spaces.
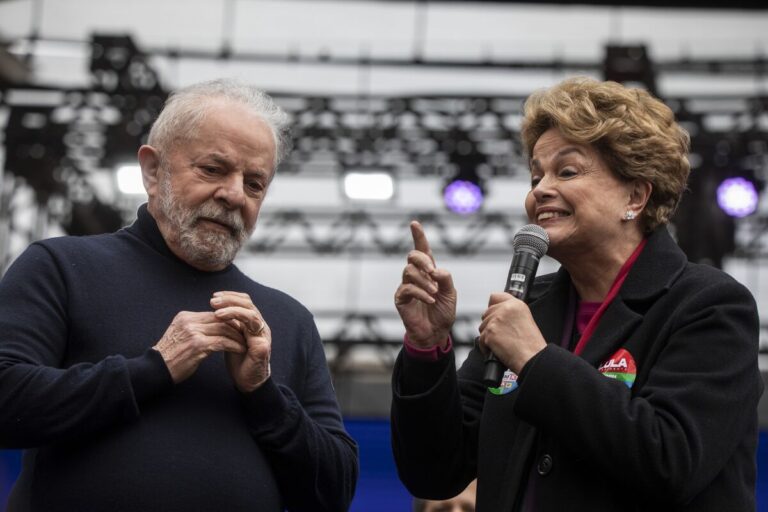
{"x":204,"y":248}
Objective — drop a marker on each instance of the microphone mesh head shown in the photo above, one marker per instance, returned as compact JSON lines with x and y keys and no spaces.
{"x":533,"y":239}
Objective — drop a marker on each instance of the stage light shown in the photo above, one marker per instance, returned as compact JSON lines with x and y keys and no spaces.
{"x":630,"y":65}
{"x":369,"y":186}
{"x":463,"y":197}
{"x":737,"y":197}
{"x":129,"y":180}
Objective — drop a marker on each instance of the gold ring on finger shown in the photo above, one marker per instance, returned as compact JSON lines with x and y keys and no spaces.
{"x":256,"y":331}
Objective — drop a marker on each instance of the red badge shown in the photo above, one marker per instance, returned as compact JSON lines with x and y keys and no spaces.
{"x":620,"y":366}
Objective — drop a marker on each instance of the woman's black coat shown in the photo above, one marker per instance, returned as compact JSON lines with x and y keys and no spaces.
{"x":682,"y":438}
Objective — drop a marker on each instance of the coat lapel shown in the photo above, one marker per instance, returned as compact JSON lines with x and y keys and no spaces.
{"x":613,"y":331}
{"x":550,"y":307}
{"x":654,"y":272}
{"x":657,"y":267}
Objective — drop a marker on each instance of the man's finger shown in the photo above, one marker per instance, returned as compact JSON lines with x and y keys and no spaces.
{"x":250,"y":319}
{"x":229,"y":292}
{"x":201,"y":317}
{"x":222,"y":300}
{"x":221,"y":329}
{"x":224,"y":344}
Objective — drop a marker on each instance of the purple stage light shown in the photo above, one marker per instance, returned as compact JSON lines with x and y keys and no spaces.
{"x":463,"y":197}
{"x":737,"y":197}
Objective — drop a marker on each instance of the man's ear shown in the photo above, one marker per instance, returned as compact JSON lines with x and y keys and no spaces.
{"x":149,"y":160}
{"x":639,"y":195}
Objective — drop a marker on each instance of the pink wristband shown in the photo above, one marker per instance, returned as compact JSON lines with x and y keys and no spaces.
{"x":427,"y":354}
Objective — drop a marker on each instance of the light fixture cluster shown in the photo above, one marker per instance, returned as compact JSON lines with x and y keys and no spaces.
{"x":463,"y":196}
{"x":364,"y":185}
{"x":737,"y":196}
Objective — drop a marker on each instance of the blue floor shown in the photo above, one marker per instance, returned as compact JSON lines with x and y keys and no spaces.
{"x":762,"y":473}
{"x":10,"y":465}
{"x":378,"y":489}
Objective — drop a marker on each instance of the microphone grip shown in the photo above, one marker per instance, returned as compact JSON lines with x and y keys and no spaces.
{"x":494,"y":371}
{"x":521,"y":274}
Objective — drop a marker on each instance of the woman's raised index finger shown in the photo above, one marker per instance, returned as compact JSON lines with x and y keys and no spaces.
{"x":420,"y":242}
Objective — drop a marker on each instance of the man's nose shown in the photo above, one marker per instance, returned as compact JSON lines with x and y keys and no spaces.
{"x":231,"y":190}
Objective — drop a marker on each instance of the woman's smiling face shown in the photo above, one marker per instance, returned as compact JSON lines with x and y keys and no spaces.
{"x":574,"y":195}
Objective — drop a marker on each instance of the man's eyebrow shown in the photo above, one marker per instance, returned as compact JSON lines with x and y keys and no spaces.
{"x":535,"y":163}
{"x":218,"y":158}
{"x":226,"y":162}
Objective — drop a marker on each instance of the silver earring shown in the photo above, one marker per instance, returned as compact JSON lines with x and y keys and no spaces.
{"x":630,"y":215}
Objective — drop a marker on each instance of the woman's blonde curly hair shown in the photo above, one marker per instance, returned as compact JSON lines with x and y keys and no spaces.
{"x":634,"y":132}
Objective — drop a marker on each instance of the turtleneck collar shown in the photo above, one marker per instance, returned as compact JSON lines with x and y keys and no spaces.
{"x":145,"y":228}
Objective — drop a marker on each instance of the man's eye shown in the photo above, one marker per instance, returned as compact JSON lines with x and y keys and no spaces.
{"x":255,"y":186}
{"x":210,"y":170}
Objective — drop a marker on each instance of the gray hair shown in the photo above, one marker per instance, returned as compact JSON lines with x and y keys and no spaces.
{"x":186,"y":108}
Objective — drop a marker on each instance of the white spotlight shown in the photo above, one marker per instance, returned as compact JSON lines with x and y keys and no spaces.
{"x":369,"y":186}
{"x":129,"y":180}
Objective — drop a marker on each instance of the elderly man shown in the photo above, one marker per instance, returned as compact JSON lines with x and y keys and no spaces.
{"x":142,"y":371}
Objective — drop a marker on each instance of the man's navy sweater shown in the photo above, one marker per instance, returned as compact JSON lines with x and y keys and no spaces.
{"x":103,"y":425}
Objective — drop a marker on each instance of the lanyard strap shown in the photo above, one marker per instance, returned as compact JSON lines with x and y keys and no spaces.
{"x":592,"y":325}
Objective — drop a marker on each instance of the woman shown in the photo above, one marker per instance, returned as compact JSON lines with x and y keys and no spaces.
{"x":633,"y":379}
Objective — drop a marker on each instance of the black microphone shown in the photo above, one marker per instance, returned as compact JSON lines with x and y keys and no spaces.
{"x":530,"y":243}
